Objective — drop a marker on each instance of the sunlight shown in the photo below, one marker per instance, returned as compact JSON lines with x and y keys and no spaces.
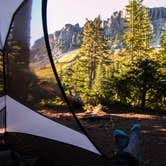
{"x":2,"y":130}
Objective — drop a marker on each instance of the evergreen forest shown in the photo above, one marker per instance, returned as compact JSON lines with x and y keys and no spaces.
{"x":134,"y":75}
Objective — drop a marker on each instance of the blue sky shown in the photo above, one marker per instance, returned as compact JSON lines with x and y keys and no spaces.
{"x":61,"y":12}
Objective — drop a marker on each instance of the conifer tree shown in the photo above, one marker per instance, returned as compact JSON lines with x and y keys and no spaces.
{"x":93,"y":53}
{"x":162,"y":52}
{"x":163,"y":42}
{"x":100,"y":77}
{"x":161,"y":93}
{"x":74,"y":79}
{"x":103,"y":86}
{"x":138,"y":33}
{"x":93,"y":49}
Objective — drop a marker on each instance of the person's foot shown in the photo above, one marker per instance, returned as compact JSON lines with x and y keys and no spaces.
{"x":121,"y":139}
{"x":133,"y":146}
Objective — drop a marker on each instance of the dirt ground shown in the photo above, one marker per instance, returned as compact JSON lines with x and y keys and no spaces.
{"x":153,"y":145}
{"x":100,"y":127}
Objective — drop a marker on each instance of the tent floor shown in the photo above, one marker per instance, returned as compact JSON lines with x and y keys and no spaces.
{"x":54,"y":152}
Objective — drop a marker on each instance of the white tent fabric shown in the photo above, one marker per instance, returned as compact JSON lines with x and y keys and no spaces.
{"x":23,"y":120}
{"x":7,"y":9}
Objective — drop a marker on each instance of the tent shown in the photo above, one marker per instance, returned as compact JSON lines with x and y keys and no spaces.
{"x":25,"y":129}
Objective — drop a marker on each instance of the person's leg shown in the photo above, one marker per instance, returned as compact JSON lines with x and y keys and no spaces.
{"x":128,"y":154}
{"x":133,"y":146}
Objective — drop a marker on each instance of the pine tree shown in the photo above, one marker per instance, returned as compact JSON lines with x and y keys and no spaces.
{"x":93,"y":49}
{"x":74,"y":79}
{"x":100,"y":77}
{"x":138,"y":33}
{"x":162,"y":52}
{"x":103,"y":87}
{"x":161,"y":93}
{"x":93,"y":53}
{"x":163,"y":42}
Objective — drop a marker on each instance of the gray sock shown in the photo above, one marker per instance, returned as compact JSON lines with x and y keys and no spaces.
{"x":134,"y":142}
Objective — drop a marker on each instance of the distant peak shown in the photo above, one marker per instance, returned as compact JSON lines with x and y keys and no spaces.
{"x":157,"y":12}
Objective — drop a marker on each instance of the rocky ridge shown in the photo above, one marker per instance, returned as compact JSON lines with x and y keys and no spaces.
{"x":69,"y":37}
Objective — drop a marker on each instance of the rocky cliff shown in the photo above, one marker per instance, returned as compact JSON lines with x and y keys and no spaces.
{"x":158,"y":19}
{"x":114,"y":26}
{"x":69,"y":37}
{"x":62,"y":41}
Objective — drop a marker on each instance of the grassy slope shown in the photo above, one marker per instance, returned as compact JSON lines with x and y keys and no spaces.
{"x":66,"y":59}
{"x":46,"y":72}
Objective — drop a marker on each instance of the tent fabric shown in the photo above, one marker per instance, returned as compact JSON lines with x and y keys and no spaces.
{"x":24,"y":120}
{"x":7,"y":9}
{"x":33,"y":91}
{"x":26,"y":90}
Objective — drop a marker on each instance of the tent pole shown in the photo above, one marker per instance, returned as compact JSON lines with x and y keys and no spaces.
{"x":44,"y":21}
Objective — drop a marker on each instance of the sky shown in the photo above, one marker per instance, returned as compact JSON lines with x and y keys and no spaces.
{"x":61,"y":12}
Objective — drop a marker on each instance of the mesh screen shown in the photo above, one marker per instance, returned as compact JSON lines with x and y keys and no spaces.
{"x":30,"y":79}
